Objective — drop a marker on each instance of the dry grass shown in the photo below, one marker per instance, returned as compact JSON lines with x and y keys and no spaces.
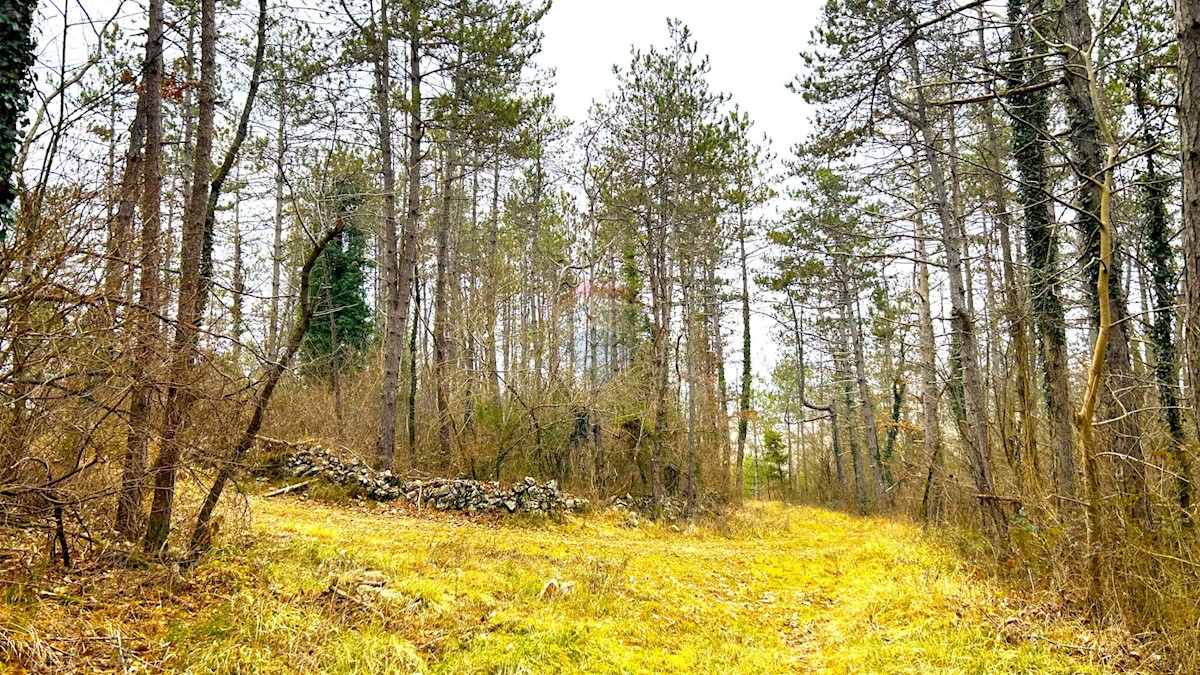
{"x":766,"y":589}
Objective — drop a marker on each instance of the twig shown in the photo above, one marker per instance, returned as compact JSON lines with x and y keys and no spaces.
{"x":288,"y":488}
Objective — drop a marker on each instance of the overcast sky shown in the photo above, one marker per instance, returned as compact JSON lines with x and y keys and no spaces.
{"x":753,"y":48}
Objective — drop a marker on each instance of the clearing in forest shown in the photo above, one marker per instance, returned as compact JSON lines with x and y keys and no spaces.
{"x":767,"y":589}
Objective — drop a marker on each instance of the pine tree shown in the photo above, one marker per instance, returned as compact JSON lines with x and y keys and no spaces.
{"x":342,"y":329}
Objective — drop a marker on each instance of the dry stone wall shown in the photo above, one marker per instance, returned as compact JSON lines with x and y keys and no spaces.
{"x":442,"y":494}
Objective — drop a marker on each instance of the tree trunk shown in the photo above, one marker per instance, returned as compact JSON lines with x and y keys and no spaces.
{"x":237,"y":289}
{"x":932,"y":494}
{"x":277,"y":240}
{"x":660,"y":291}
{"x":416,"y":135}
{"x":118,"y":248}
{"x":842,"y":368}
{"x":1025,"y":451}
{"x":871,"y":433}
{"x":397,"y":309}
{"x":721,"y":423}
{"x":493,"y":266}
{"x":410,"y":397}
{"x":441,"y":319}
{"x":1160,"y":259}
{"x":747,"y":373}
{"x":1188,"y":28}
{"x":137,"y":441}
{"x":190,"y":306}
{"x":977,"y":444}
{"x":1119,"y":405}
{"x":689,"y":360}
{"x":1030,"y":123}
{"x":1087,"y":409}
{"x":196,"y":263}
{"x":718,"y":365}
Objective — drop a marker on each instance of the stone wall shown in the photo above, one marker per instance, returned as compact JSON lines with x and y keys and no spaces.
{"x":442,"y":494}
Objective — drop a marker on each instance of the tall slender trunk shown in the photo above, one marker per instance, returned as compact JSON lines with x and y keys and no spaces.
{"x":118,"y":248}
{"x":1025,"y":451}
{"x":933,"y":492}
{"x":410,"y":397}
{"x":441,"y":319}
{"x":660,"y":290}
{"x":137,"y":441}
{"x":190,"y":308}
{"x":493,"y":266}
{"x":720,"y":396}
{"x":1118,"y":401}
{"x":1087,"y":409}
{"x":196,"y":262}
{"x":1160,"y":259}
{"x":870,"y":432}
{"x":846,"y":379}
{"x":397,"y":310}
{"x":977,"y":444}
{"x":747,"y":374}
{"x":416,"y":135}
{"x":237,"y":288}
{"x":689,"y":360}
{"x":1029,"y":113}
{"x":182,"y":181}
{"x":277,"y":239}
{"x":1187,"y":23}
{"x":895,"y":374}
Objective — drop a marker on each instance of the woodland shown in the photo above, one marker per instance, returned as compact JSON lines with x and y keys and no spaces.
{"x":229,"y":227}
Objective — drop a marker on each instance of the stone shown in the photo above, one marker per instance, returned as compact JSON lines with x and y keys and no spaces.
{"x":459,"y":494}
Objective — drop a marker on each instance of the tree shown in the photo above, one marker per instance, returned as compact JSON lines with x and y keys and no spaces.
{"x":16,"y":60}
{"x":1088,"y":162}
{"x":1160,"y":257}
{"x":749,"y":191}
{"x":881,"y":81}
{"x":196,"y":262}
{"x":828,"y":244}
{"x":1187,"y":19}
{"x":150,"y":292}
{"x":396,"y":270}
{"x":665,"y":142}
{"x":455,"y":42}
{"x":1029,"y":112}
{"x":341,"y":330}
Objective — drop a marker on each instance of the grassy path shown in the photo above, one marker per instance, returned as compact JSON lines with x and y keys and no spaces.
{"x":779,"y":590}
{"x":769,"y":590}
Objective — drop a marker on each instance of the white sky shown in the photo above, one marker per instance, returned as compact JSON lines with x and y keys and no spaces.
{"x":753,"y":48}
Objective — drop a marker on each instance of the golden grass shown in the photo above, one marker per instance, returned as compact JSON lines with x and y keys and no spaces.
{"x":766,"y":589}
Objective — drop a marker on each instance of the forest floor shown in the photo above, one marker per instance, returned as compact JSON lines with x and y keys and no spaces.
{"x":764,"y":589}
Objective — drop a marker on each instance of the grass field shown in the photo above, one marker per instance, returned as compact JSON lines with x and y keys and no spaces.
{"x":767,"y":589}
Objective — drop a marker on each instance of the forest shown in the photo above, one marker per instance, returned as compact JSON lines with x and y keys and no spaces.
{"x":239,"y":236}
